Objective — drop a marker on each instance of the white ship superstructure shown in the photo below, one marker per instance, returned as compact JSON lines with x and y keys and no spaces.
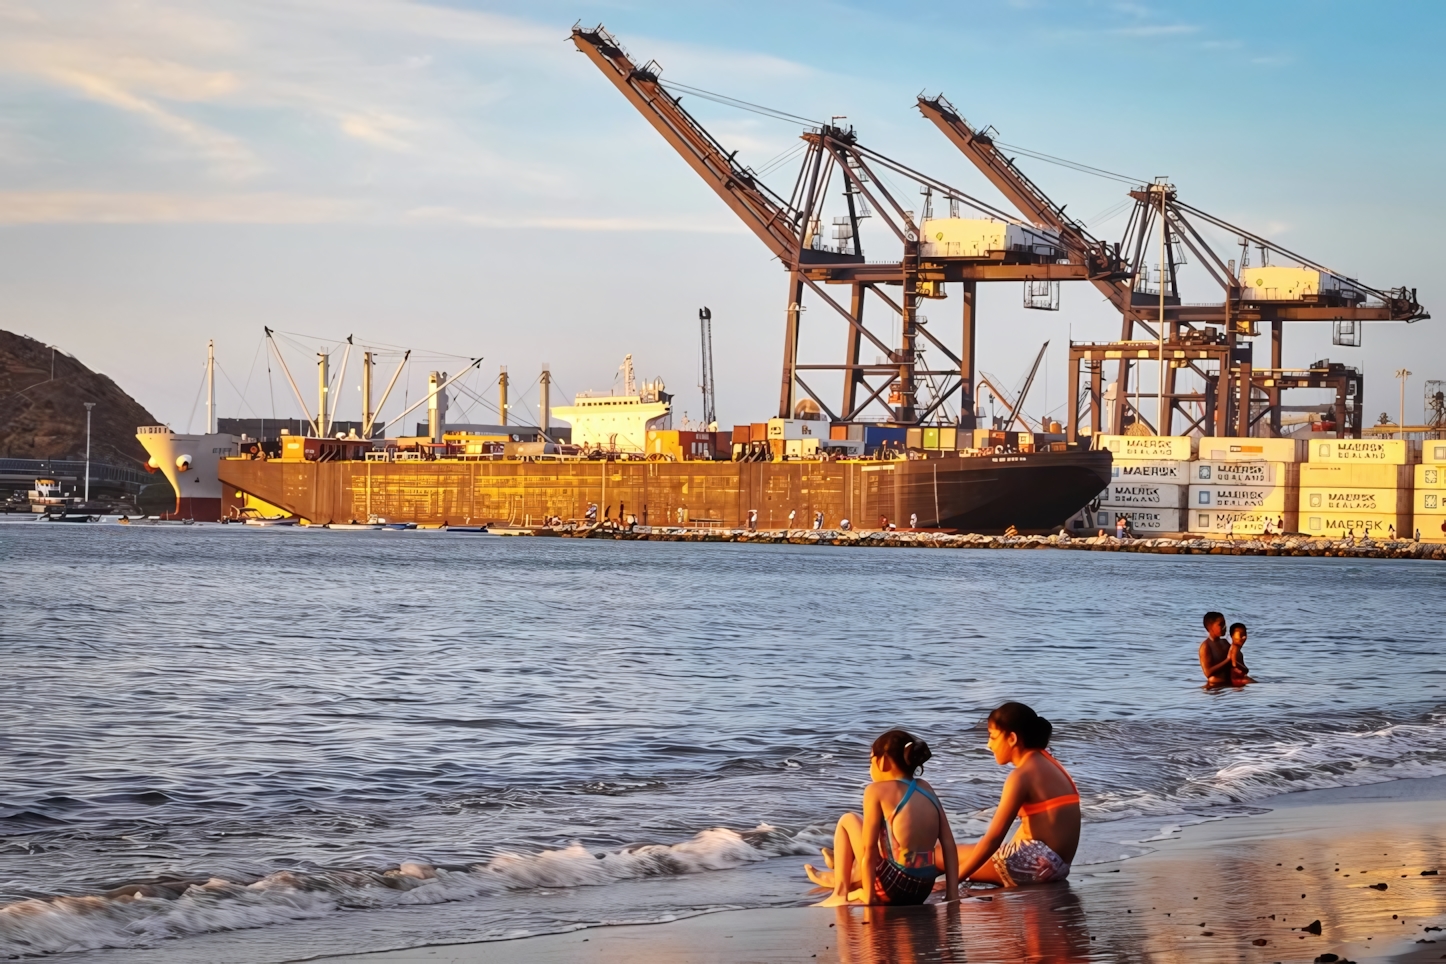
{"x":618,"y":423}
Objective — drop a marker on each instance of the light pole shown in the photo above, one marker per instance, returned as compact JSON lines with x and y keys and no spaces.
{"x":1402,"y":374}
{"x":88,"y":407}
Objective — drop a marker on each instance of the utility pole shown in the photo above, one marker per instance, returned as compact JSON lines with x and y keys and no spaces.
{"x":705,"y":324}
{"x":546,"y":420}
{"x":88,"y":407}
{"x":1402,"y":374}
{"x":1160,"y":399}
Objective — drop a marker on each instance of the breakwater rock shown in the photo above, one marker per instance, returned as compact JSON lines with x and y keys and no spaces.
{"x":1283,"y":546}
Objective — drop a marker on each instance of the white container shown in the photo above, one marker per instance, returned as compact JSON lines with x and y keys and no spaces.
{"x":1131,"y":495}
{"x":1223,"y":449}
{"x":1240,"y":523}
{"x":981,"y":237}
{"x":1283,"y":283}
{"x":1336,"y":500}
{"x":796,"y":428}
{"x":1151,"y":470}
{"x":1356,"y":475}
{"x":1431,"y":525}
{"x":1244,"y":473}
{"x":1143,"y":521}
{"x":1338,"y":525}
{"x":1428,"y":477}
{"x":1386,"y":451}
{"x":1177,"y":448}
{"x":1243,"y":498}
{"x":1433,"y":451}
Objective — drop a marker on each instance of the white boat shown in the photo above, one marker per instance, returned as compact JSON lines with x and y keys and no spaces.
{"x":275,"y":520}
{"x":355,"y":525}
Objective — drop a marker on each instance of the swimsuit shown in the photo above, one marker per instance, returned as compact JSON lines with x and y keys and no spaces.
{"x":911,"y":880}
{"x":1025,"y":860}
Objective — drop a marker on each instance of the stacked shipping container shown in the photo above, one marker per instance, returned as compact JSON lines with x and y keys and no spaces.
{"x":1429,"y":495}
{"x":1359,"y":487}
{"x":1149,"y":483}
{"x":1243,"y":486}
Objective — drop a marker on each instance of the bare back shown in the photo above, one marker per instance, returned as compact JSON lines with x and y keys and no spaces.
{"x":916,"y":827}
{"x":1038,"y":779}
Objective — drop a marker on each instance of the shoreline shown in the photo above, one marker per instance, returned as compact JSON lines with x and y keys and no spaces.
{"x":1175,"y":544}
{"x":1249,"y":888}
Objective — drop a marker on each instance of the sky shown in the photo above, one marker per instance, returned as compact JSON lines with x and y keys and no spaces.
{"x":457,"y":179}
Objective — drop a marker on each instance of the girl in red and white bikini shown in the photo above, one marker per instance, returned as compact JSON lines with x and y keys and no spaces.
{"x":1040,"y":793}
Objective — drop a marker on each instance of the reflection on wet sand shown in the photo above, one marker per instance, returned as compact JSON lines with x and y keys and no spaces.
{"x":1045,"y":923}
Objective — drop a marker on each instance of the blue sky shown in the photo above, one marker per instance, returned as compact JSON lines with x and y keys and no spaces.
{"x":456,"y":178}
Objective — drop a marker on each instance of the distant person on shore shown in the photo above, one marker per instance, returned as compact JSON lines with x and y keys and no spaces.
{"x":913,"y":520}
{"x":817,"y":521}
{"x":845,"y":525}
{"x":1239,"y":672}
{"x":1215,"y":652}
{"x":752,"y":519}
{"x":888,"y":855}
{"x":1120,"y":527}
{"x":1040,"y":792}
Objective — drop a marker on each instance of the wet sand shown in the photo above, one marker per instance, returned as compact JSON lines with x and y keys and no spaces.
{"x":1243,"y":889}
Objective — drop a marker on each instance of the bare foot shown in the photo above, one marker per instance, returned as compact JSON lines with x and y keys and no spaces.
{"x":833,"y":900}
{"x":827,"y":857}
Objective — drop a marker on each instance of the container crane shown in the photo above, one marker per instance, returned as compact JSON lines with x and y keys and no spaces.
{"x":914,"y":392}
{"x":1201,"y":339}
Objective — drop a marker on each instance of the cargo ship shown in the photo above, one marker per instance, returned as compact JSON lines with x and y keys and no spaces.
{"x":621,"y":459}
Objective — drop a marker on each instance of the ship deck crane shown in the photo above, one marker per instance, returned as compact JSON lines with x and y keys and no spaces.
{"x":790,"y":228}
{"x":1235,"y":397}
{"x":710,"y":412}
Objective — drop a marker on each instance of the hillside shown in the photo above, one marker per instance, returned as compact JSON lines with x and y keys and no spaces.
{"x":44,"y":418}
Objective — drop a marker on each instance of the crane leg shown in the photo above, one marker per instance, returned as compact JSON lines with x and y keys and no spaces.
{"x":966,"y":358}
{"x":852,"y":377}
{"x":790,"y":345}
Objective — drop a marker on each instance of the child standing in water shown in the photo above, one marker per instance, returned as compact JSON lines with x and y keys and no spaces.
{"x":887,"y":855}
{"x":1215,"y":652}
{"x":1239,"y":672}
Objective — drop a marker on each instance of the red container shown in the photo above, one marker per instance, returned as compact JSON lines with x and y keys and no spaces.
{"x":742,"y":434}
{"x":758,"y":432}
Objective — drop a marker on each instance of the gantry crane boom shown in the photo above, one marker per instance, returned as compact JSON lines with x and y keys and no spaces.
{"x":764,"y":212}
{"x":1106,"y":270}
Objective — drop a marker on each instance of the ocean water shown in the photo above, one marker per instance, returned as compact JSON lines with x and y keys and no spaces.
{"x":246,"y":745}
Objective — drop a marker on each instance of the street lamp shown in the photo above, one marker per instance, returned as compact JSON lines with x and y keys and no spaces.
{"x":1402,"y":374}
{"x":88,"y":407}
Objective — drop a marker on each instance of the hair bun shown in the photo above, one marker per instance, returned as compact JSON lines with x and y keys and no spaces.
{"x":917,"y":753}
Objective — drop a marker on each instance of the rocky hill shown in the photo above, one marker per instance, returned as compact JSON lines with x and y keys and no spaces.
{"x":43,"y":416}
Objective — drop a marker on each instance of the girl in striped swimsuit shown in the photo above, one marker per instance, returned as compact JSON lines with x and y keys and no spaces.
{"x":888,"y":855}
{"x":1043,"y":796}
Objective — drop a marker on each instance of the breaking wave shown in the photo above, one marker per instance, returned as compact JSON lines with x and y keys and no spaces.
{"x":142,"y":914}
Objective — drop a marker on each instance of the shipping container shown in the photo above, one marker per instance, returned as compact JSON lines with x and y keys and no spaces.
{"x":1242,"y":523}
{"x":1432,"y":526}
{"x":1141,"y":494}
{"x":982,"y":237}
{"x":742,"y":434}
{"x":1218,"y":449}
{"x":1434,"y":451}
{"x":1175,"y":448}
{"x":839,"y":431}
{"x":1428,"y":477}
{"x":880,"y":436}
{"x":1151,"y":470}
{"x":797,"y":428}
{"x":914,"y":438}
{"x":1245,"y":473}
{"x":1340,"y":499}
{"x":1355,"y":475}
{"x":1285,"y":283}
{"x":931,"y":438}
{"x":948,"y":438}
{"x":1338,"y":525}
{"x":1144,"y":521}
{"x":758,"y":432}
{"x":1387,"y":451}
{"x":1428,"y":502}
{"x":1262,"y":498}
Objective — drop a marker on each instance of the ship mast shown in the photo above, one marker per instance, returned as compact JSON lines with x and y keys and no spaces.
{"x":210,"y":387}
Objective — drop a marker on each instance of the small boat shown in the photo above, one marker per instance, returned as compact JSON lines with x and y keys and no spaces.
{"x":481,"y":529}
{"x":355,"y":525}
{"x":68,"y":517}
{"x":398,"y":525}
{"x":275,"y":520}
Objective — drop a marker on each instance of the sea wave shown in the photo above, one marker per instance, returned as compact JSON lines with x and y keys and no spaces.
{"x":142,"y":914}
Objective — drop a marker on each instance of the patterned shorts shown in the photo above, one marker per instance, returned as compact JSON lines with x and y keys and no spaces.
{"x":1025,"y":861}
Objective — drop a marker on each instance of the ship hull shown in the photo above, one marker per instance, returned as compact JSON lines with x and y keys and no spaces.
{"x":984,"y":494}
{"x":189,"y":463}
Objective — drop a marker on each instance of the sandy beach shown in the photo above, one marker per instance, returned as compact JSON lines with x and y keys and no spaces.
{"x":1359,"y":860}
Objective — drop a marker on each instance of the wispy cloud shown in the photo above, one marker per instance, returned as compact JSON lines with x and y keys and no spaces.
{"x":96,"y":207}
{"x":717,"y":225}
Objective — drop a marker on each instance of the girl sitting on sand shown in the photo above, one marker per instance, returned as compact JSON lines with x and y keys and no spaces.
{"x":1040,"y":792}
{"x":887,"y":856}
